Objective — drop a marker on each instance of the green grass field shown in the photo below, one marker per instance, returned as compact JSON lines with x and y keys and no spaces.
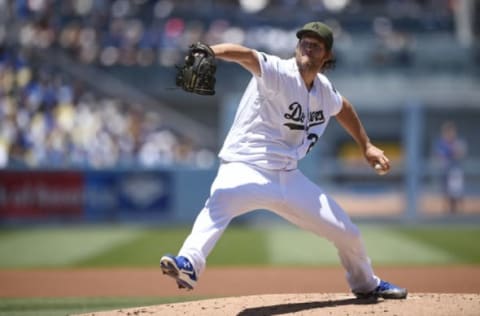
{"x":68,"y":306}
{"x":133,"y":246}
{"x":136,"y":246}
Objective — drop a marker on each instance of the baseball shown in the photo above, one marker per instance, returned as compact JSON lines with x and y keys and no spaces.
{"x":379,"y":169}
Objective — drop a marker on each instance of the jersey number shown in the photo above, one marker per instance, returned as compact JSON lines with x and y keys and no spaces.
{"x":313,"y":138}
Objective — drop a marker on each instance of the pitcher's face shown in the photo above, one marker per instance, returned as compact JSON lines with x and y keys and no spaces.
{"x":311,"y":53}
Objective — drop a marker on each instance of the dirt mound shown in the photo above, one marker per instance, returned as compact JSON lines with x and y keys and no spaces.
{"x":314,"y":304}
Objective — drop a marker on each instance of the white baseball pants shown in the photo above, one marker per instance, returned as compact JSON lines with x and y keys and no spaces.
{"x":240,"y":188}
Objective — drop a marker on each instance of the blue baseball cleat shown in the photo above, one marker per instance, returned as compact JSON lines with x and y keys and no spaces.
{"x":180,"y":269}
{"x":384,"y":290}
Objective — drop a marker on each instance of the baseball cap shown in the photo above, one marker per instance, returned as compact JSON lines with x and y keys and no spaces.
{"x":321,"y":30}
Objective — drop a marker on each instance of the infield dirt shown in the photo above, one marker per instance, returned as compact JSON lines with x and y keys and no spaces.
{"x":244,"y":291}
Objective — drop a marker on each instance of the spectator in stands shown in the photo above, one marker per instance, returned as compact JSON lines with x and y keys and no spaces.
{"x":450,"y":150}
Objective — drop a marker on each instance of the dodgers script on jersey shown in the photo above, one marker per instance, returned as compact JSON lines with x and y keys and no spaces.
{"x":278,"y":120}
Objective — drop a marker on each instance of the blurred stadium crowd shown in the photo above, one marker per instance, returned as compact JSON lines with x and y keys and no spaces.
{"x":146,"y":32}
{"x":48,"y":118}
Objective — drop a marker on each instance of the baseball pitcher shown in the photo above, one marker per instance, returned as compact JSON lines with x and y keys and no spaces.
{"x":283,"y":112}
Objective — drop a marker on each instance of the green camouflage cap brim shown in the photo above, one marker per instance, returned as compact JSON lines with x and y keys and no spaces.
{"x":319,"y":29}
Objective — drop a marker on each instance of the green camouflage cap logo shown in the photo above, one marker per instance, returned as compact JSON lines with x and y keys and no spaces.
{"x":321,"y":30}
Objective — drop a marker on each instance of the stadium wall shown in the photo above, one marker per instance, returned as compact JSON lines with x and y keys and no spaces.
{"x":45,"y":196}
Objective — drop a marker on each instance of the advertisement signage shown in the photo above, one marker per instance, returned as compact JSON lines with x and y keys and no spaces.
{"x":42,"y":194}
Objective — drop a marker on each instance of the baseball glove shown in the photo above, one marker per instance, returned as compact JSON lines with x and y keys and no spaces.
{"x":197,"y":74}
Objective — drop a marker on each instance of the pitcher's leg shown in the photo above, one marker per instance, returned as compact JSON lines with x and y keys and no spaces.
{"x":351,"y":250}
{"x":207,"y":230}
{"x":310,"y":208}
{"x":209,"y":225}
{"x":237,"y":189}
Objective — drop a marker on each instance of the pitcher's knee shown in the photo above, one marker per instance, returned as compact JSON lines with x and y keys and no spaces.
{"x":223,"y":197}
{"x":226,"y":202}
{"x":350,"y":237}
{"x":353,"y":231}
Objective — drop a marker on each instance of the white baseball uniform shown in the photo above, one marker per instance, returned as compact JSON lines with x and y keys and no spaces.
{"x":277,"y":122}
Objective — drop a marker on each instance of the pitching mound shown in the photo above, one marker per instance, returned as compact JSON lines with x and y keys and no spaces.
{"x":314,"y":304}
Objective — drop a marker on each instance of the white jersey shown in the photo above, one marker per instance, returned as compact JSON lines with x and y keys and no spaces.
{"x":278,"y":120}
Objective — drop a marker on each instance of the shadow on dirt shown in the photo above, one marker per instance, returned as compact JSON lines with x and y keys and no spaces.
{"x":297,"y":307}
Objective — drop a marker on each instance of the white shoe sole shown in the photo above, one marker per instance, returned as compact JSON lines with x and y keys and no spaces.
{"x":170,"y":268}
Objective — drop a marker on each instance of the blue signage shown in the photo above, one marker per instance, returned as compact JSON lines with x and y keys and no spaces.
{"x":112,"y":195}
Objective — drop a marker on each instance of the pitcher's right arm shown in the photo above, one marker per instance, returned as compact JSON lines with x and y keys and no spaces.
{"x":242,"y":55}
